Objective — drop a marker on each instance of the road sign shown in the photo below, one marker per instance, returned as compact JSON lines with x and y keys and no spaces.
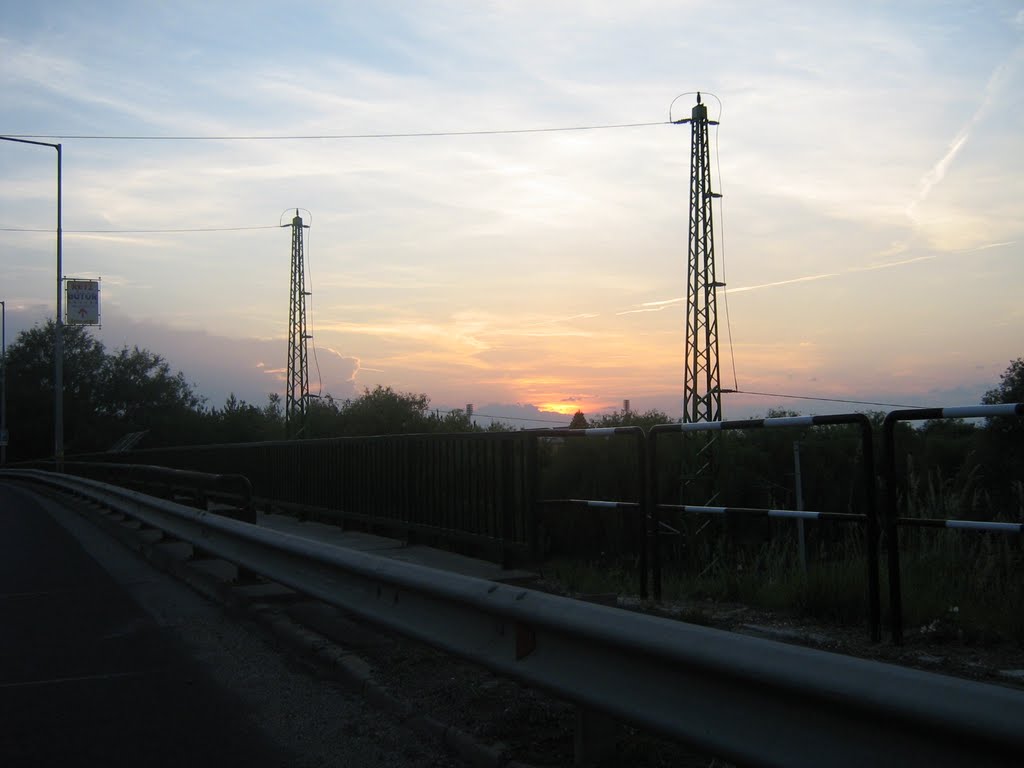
{"x":83,"y":302}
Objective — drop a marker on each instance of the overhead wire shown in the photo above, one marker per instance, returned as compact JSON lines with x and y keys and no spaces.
{"x":333,"y":136}
{"x":506,"y":418}
{"x":823,"y":399}
{"x":309,"y":273}
{"x":721,"y":230}
{"x":135,"y":231}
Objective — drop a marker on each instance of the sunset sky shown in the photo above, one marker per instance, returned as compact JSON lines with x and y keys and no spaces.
{"x":870,"y":154}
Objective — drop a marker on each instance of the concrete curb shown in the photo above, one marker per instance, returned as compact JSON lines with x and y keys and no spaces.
{"x":350,"y":670}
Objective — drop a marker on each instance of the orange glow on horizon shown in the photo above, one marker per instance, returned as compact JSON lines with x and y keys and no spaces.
{"x":562,"y":409}
{"x":570,"y":409}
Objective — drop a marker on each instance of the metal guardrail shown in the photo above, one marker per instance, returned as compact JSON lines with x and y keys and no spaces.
{"x":892,"y":519}
{"x":201,"y":487}
{"x":869,"y":517}
{"x":752,"y":701}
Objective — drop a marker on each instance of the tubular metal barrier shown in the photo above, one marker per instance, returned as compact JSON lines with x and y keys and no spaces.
{"x":869,"y":517}
{"x":637,"y":433}
{"x":892,"y":519}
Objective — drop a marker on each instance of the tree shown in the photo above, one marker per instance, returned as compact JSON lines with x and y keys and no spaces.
{"x":624,"y":418}
{"x":138,"y":392}
{"x":382,"y":411}
{"x":1004,"y":435}
{"x":30,"y":390}
{"x":1011,"y":385}
{"x":105,"y":396}
{"x":239,"y":422}
{"x":579,"y":421}
{"x":456,"y":420}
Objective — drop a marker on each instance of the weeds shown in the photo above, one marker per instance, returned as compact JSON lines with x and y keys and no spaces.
{"x":958,"y":586}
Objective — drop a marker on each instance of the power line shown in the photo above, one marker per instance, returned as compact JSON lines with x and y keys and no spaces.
{"x":506,"y":418}
{"x":336,"y":136}
{"x":137,"y":231}
{"x":823,"y":399}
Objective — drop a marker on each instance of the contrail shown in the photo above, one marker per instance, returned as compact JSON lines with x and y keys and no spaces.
{"x":658,"y":306}
{"x":992,"y":88}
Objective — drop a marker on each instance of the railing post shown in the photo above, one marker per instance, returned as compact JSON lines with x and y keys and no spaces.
{"x":531,"y":504}
{"x":891,"y":532}
{"x":871,"y":532}
{"x":645,"y":521}
{"x":508,"y":498}
{"x":652,"y":511}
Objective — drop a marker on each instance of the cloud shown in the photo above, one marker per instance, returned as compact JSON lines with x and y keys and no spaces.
{"x":994,"y":89}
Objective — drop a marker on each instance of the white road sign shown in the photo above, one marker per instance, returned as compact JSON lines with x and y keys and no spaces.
{"x":83,"y":302}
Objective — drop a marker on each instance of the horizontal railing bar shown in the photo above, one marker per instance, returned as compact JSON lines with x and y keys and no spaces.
{"x":786,"y":513}
{"x":963,"y":525}
{"x":597,"y":503}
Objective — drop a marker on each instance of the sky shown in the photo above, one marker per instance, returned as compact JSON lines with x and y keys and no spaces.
{"x":870,"y":157}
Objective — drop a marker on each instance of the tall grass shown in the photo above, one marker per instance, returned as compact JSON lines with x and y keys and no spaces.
{"x":958,"y":586}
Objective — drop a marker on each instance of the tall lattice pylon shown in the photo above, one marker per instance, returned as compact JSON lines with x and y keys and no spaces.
{"x":297,"y":393}
{"x":702,"y":393}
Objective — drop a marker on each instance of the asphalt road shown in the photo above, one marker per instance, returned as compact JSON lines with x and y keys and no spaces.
{"x":116,"y":664}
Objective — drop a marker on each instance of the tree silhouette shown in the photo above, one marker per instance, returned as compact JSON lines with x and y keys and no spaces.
{"x":579,"y":421}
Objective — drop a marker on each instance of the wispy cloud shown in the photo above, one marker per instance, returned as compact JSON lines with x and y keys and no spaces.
{"x":994,"y":88}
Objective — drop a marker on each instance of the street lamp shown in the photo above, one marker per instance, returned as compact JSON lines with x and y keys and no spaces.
{"x":58,"y":337}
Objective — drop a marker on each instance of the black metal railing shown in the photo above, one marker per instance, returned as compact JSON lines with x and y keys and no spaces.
{"x":487,"y":493}
{"x":468,"y":491}
{"x":867,"y":517}
{"x":893,"y":520}
{"x":634,"y":509}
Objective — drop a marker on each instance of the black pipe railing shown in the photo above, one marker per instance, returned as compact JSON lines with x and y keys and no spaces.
{"x":868,"y":517}
{"x":639,"y":504}
{"x":892,"y":518}
{"x":467,"y":491}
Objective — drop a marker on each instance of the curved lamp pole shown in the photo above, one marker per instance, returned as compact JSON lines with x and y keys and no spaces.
{"x":58,"y":338}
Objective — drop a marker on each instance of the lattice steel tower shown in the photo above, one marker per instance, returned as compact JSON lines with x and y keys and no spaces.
{"x":702,"y":393}
{"x":297,"y":392}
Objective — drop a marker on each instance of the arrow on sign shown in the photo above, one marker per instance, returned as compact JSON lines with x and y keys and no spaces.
{"x":82,"y":312}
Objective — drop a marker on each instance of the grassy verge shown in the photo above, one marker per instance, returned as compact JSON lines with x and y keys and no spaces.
{"x":957,"y":586}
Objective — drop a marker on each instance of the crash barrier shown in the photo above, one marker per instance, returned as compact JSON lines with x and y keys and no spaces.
{"x":868,"y":518}
{"x":747,"y":700}
{"x":637,"y":507}
{"x":892,"y":519}
{"x":229,"y":495}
